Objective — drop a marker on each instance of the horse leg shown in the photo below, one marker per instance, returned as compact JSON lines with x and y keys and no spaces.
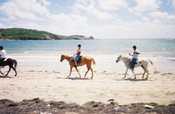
{"x":92,"y":73}
{"x":147,"y":74}
{"x":8,"y":71}
{"x":78,"y":71}
{"x":1,"y":72}
{"x":134,"y":74}
{"x":144,"y":71}
{"x":14,"y":70}
{"x":70,"y":72}
{"x":90,"y":67}
{"x":125,"y":73}
{"x":143,"y":75}
{"x":86,"y":72}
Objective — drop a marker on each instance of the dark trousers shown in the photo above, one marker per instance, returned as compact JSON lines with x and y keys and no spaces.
{"x":1,"y":60}
{"x":133,"y":63}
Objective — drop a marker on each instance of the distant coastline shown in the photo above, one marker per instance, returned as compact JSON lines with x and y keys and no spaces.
{"x":31,"y":34}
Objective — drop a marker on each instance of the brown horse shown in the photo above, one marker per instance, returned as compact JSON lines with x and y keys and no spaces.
{"x":84,"y":61}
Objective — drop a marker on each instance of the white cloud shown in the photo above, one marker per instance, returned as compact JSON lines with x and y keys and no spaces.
{"x":162,"y":17}
{"x":30,"y":9}
{"x":91,"y":17}
{"x":173,"y":2}
{"x":112,"y":5}
{"x":88,"y":8}
{"x":146,"y":5}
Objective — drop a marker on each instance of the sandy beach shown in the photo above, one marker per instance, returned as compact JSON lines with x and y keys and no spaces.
{"x":44,"y":77}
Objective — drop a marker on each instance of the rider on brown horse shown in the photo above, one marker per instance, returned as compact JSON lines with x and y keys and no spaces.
{"x":77,"y":56}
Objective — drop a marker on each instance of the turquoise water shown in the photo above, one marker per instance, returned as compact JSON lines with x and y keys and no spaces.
{"x":161,"y":52}
{"x":155,"y":47}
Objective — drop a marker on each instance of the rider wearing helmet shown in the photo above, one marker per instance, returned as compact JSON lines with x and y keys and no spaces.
{"x":77,"y":55}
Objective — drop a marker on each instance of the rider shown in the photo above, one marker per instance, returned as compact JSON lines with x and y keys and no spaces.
{"x":134,"y":55}
{"x":2,"y":54}
{"x":77,"y":54}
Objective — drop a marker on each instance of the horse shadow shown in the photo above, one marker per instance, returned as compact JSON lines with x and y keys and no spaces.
{"x":4,"y":76}
{"x":133,"y":79}
{"x":77,"y":78}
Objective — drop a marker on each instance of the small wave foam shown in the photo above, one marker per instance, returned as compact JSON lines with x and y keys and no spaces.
{"x":171,"y":59}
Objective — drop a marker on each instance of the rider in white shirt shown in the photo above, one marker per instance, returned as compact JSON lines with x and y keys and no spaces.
{"x":134,"y":55}
{"x":2,"y":54}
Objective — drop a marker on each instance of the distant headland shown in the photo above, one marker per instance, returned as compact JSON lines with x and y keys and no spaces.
{"x":31,"y":34}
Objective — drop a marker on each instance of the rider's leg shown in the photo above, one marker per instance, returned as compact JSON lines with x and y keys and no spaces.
{"x":75,"y":60}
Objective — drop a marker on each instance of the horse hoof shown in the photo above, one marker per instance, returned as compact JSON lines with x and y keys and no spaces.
{"x":146,"y":78}
{"x":124,"y":78}
{"x":67,"y":77}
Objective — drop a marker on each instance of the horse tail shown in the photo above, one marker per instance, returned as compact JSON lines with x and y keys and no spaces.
{"x":15,"y":63}
{"x":150,"y":62}
{"x":93,"y":61}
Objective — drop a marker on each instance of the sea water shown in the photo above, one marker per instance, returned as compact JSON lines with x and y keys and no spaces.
{"x":161,"y":51}
{"x":160,"y":47}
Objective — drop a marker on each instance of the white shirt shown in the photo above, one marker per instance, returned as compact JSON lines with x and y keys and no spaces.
{"x":135,"y":54}
{"x":2,"y":54}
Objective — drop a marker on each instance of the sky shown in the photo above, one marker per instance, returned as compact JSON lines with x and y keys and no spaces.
{"x":103,"y":19}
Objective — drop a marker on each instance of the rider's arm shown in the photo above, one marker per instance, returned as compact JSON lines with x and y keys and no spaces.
{"x":137,"y":52}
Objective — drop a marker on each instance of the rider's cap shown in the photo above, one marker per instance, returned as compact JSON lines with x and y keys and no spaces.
{"x":79,"y":45}
{"x":134,"y":47}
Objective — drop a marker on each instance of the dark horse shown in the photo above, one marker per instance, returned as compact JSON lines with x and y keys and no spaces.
{"x":12,"y":63}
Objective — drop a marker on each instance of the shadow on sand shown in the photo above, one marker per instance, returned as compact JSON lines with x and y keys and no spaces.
{"x":4,"y":76}
{"x":132,"y":79}
{"x":77,"y":78}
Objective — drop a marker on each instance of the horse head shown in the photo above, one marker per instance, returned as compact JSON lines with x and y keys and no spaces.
{"x":62,"y":58}
{"x":118,"y":58}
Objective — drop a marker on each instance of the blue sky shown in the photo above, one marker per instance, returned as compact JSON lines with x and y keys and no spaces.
{"x":100,"y":18}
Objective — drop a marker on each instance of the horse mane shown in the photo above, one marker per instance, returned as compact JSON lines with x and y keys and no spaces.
{"x":125,"y":57}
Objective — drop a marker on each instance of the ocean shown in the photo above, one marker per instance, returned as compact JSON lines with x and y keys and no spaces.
{"x":44,"y":54}
{"x":153,"y":47}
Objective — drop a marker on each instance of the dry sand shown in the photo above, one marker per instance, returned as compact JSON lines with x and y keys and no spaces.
{"x":44,"y":77}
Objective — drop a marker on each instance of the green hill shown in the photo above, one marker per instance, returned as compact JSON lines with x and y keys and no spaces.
{"x":30,"y":34}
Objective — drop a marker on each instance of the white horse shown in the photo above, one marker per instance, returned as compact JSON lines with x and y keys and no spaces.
{"x":142,"y":63}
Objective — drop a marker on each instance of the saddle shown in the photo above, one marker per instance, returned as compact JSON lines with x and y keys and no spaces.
{"x":77,"y":60}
